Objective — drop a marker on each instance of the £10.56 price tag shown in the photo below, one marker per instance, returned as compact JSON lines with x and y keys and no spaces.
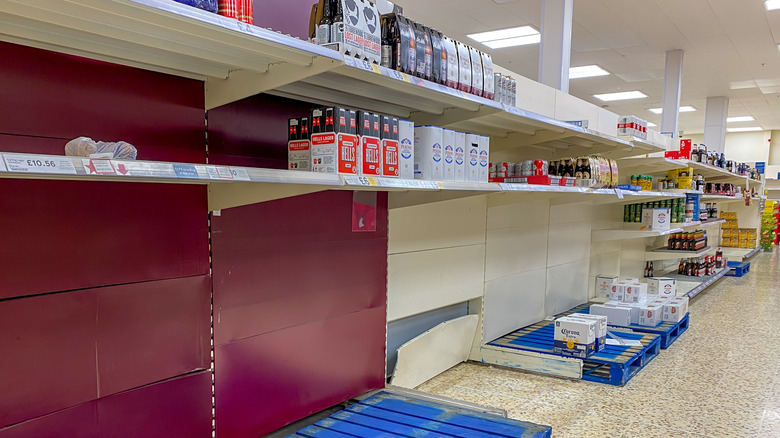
{"x":39,"y":164}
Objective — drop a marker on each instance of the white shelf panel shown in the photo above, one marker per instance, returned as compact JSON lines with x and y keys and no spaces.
{"x":646,"y":146}
{"x":706,"y":197}
{"x":741,"y":253}
{"x":666,"y":254}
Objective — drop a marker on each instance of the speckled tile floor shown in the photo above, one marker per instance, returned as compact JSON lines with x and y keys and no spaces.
{"x":719,"y":379}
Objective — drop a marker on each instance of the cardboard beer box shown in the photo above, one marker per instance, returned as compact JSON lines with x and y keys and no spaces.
{"x":424,"y":52}
{"x":658,"y":219}
{"x":472,"y":157}
{"x":477,"y":74}
{"x":460,"y":156}
{"x":575,"y":337}
{"x":372,"y":31}
{"x":428,"y":153}
{"x":390,"y":148}
{"x":298,"y":144}
{"x":333,"y":148}
{"x":453,"y":65}
{"x":484,"y":158}
{"x":635,"y":293}
{"x":488,"y":81}
{"x":448,"y":146}
{"x":650,"y":315}
{"x":354,"y":28}
{"x":617,"y":294}
{"x":406,"y":149}
{"x":634,"y":308}
{"x":616,"y":315}
{"x":662,"y":286}
{"x":601,"y":328}
{"x":674,"y":311}
{"x":464,"y":67}
{"x":603,"y":282}
{"x":370,"y":152}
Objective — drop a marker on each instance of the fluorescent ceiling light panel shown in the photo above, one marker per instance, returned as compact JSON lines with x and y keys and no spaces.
{"x":587,"y":71}
{"x":740,"y":119}
{"x":516,"y":36}
{"x":748,"y":129}
{"x":623,"y":95}
{"x":683,"y":109}
{"x":771,"y":5}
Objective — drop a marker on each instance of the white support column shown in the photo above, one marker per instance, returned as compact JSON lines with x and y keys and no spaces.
{"x":715,"y":123}
{"x":672,"y":88}
{"x":555,"y":48}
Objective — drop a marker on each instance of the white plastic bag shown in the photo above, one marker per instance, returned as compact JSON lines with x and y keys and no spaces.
{"x":85,"y":147}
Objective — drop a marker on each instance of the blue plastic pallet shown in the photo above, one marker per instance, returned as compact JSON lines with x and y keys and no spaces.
{"x":738,"y":269}
{"x":668,"y":331}
{"x":392,"y":415}
{"x":615,"y":365}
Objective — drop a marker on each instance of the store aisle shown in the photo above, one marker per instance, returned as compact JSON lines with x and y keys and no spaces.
{"x":720,"y":379}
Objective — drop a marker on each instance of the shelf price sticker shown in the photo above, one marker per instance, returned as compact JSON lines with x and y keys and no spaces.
{"x":240,"y":174}
{"x":95,"y":166}
{"x":619,"y":193}
{"x":148,"y":169}
{"x":2,"y":164}
{"x":39,"y":164}
{"x":365,"y":181}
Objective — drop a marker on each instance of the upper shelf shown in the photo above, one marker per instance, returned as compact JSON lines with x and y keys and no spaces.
{"x":232,"y":186}
{"x":650,"y":164}
{"x":238,"y":60}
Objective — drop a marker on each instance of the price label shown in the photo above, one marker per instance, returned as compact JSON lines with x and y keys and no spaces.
{"x":395,"y":74}
{"x":405,"y":78}
{"x":364,"y":65}
{"x":150,"y":169}
{"x":2,"y":164}
{"x":239,"y":174}
{"x":39,"y":164}
{"x":220,"y":172}
{"x":350,"y":61}
{"x":376,"y":69}
{"x":619,"y":193}
{"x":365,"y":181}
{"x":98,"y":167}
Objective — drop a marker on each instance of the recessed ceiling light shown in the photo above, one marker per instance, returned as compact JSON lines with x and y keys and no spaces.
{"x":512,"y":42}
{"x":515,"y":36}
{"x":623,"y":95}
{"x":652,"y":125}
{"x":771,"y":5}
{"x":748,"y":129}
{"x":587,"y":71}
{"x":740,"y":119}
{"x":683,"y":109}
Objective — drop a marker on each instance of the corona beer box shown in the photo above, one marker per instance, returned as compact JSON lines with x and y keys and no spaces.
{"x":601,"y":328}
{"x":662,"y":286}
{"x":370,"y":151}
{"x":334,"y":149}
{"x":575,"y":337}
{"x":658,"y":219}
{"x":406,"y":149}
{"x":390,"y":148}
{"x":428,"y":154}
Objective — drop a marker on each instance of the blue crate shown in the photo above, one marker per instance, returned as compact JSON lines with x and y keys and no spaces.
{"x":738,"y":269}
{"x":615,"y":365}
{"x":668,"y":331}
{"x":388,"y":414}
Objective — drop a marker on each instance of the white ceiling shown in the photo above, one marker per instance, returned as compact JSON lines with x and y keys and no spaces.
{"x":731,"y":49}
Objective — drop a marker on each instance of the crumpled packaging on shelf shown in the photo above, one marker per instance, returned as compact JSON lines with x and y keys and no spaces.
{"x":86,"y":147}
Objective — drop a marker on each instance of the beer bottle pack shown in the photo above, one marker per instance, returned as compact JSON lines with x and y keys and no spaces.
{"x":298,"y":144}
{"x":334,"y":141}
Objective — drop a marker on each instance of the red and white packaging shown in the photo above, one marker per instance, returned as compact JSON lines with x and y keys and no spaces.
{"x":370,"y":154}
{"x":448,"y":148}
{"x":299,"y":145}
{"x":464,"y":67}
{"x":333,"y":152}
{"x":390,"y":148}
{"x":477,"y":75}
{"x":488,"y":81}
{"x":453,"y":67}
{"x":650,"y":315}
{"x":484,"y":157}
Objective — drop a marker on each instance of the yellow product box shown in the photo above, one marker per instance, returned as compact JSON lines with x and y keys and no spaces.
{"x":684,"y":183}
